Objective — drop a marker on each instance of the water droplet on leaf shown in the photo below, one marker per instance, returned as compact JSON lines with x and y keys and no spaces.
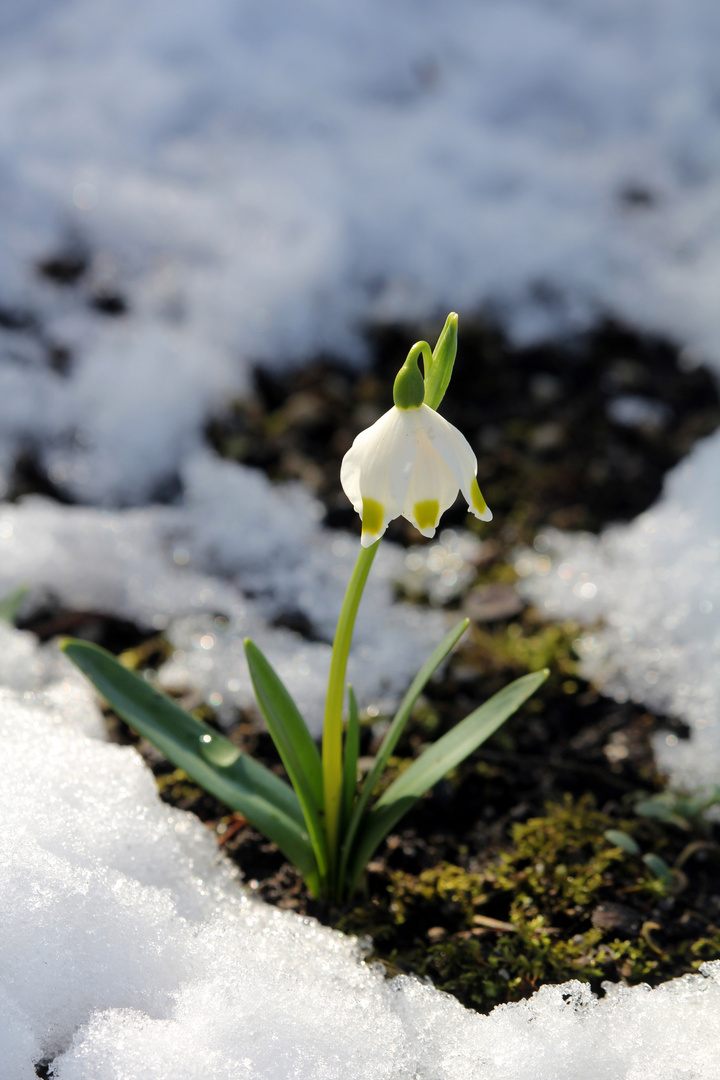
{"x":218,"y":750}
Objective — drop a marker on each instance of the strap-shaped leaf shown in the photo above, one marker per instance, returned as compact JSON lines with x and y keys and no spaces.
{"x":434,"y":763}
{"x":294,"y":744}
{"x":394,"y":732}
{"x":401,"y":717}
{"x":352,"y":752}
{"x":207,"y":757}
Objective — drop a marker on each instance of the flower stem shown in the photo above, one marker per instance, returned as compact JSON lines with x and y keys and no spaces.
{"x":332,"y":765}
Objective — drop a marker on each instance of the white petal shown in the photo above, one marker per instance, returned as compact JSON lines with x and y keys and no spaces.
{"x":378,"y":467}
{"x":351,"y":467}
{"x":433,"y":487}
{"x":457,"y":452}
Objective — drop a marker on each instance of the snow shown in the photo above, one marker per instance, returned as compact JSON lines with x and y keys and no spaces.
{"x":650,"y":592}
{"x":129,"y":950}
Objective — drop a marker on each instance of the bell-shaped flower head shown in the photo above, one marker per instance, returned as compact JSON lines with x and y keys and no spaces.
{"x":411,"y":462}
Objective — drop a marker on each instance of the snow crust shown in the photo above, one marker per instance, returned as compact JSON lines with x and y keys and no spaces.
{"x":129,"y":950}
{"x":650,"y":594}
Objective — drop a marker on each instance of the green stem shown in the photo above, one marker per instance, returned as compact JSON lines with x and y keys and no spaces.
{"x":332,"y":764}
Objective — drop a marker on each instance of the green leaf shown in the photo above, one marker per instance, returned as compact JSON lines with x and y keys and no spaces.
{"x":406,"y":706}
{"x":207,"y":757}
{"x":623,"y":840}
{"x":294,"y":744}
{"x":394,"y":732}
{"x":435,"y":762}
{"x":352,"y":751}
{"x":657,"y":809}
{"x":10,"y":605}
{"x":657,"y":866}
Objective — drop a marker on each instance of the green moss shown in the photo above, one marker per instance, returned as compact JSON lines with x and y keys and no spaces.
{"x":527,"y":645}
{"x":558,"y":862}
{"x":177,"y":788}
{"x":529,"y":915}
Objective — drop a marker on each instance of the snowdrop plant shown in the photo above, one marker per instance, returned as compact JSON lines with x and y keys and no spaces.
{"x":411,"y":462}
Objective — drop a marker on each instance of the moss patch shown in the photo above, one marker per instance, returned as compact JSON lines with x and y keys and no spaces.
{"x":559,"y":902}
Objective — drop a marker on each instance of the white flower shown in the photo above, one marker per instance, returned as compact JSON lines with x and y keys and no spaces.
{"x":410,"y":462}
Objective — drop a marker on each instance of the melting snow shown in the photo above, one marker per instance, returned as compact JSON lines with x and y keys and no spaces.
{"x":653,"y":589}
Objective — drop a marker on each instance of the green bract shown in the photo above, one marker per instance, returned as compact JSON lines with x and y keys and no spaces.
{"x":437,"y":378}
{"x":321,"y":820}
{"x":409,"y":385}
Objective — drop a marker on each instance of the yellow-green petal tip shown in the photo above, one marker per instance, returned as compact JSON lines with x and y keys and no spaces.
{"x":426,"y":513}
{"x":373,"y":514}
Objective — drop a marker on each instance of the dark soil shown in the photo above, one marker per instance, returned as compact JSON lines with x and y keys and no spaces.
{"x":502,"y":877}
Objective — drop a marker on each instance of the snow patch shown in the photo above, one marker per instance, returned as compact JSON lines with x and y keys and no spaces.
{"x":650,"y":593}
